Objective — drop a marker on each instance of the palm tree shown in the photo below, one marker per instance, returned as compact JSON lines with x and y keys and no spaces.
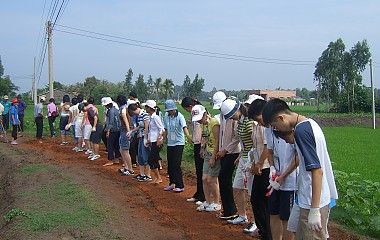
{"x":167,"y":88}
{"x":157,"y":87}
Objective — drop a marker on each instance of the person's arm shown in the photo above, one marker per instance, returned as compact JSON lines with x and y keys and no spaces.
{"x":214,"y":158}
{"x":125,"y":119}
{"x":146,"y":126}
{"x":85,"y":116}
{"x":186,"y":131}
{"x":294,"y":164}
{"x":13,"y":117}
{"x":230,"y":129}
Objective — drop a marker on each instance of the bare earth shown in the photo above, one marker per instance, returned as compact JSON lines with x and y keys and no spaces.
{"x":146,"y":210}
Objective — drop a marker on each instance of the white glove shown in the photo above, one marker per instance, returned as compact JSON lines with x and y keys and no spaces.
{"x":129,"y":135}
{"x":275,"y":185}
{"x":93,"y":129}
{"x":67,"y":127}
{"x":272,"y":173}
{"x":314,"y":219}
{"x":247,"y":166}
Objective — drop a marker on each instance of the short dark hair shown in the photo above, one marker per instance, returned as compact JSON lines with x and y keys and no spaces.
{"x":133,"y":94}
{"x":66,"y":98}
{"x":121,"y":100}
{"x":74,"y":101}
{"x":80,"y":98}
{"x":132,"y":107}
{"x":273,"y":108}
{"x":91,"y":100}
{"x":188,"y":101}
{"x":51,"y":100}
{"x":256,"y":108}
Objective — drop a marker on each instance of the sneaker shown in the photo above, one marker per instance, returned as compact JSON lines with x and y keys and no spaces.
{"x":251,"y":227}
{"x":95,"y":157}
{"x":145,"y":179}
{"x":79,"y":150}
{"x":238,"y":220}
{"x":198,"y":203}
{"x":168,"y":188}
{"x":127,"y":172}
{"x":14,"y":143}
{"x":62,"y":143}
{"x":134,"y":165}
{"x":91,"y":155}
{"x":213,"y":207}
{"x":75,"y":149}
{"x":137,"y":177}
{"x":88,"y":151}
{"x":202,"y":207}
{"x":178,"y":190}
{"x":227,"y":217}
{"x":191,"y":200}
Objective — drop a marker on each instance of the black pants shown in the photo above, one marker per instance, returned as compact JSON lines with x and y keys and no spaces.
{"x":260,"y":204}
{"x":134,"y":148}
{"x":14,"y":132}
{"x":6,"y":121}
{"x":225,"y":183}
{"x":51,"y":125}
{"x":40,"y":124}
{"x":174,"y":156}
{"x":154,"y":156}
{"x":113,"y":145}
{"x":21,"y":120}
{"x":199,"y":194}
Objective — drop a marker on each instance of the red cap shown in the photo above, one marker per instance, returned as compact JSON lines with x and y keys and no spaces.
{"x":14,"y":100}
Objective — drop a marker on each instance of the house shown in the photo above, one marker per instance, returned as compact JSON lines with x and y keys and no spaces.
{"x":58,"y":95}
{"x":269,"y":94}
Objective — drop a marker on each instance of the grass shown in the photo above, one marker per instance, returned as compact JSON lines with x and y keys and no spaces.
{"x":57,"y":203}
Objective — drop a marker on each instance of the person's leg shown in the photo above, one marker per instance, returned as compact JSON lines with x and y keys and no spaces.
{"x":214,"y":189}
{"x":286,"y":199}
{"x":111,"y":146}
{"x":225,"y":184}
{"x":6,"y":121}
{"x":39,"y":124}
{"x":240,"y":201}
{"x":51,"y":126}
{"x":176,"y":164}
{"x":14,"y":132}
{"x":274,"y":210}
{"x":140,"y":156}
{"x":169,"y":157}
{"x":260,"y":204}
{"x":199,"y":194}
{"x":21,"y":119}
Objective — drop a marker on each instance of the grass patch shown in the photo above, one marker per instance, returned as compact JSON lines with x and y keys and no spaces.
{"x":354,"y":150}
{"x":33,"y":168}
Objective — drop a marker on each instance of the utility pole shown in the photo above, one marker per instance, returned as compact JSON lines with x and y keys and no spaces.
{"x":34,"y":87}
{"x":50,"y":56}
{"x":373,"y":95}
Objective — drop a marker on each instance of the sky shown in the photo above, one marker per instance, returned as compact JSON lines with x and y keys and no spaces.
{"x":150,"y":37}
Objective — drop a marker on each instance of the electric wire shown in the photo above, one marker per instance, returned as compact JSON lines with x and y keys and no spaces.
{"x":39,"y":33}
{"x":184,"y":52}
{"x":188,"y":49}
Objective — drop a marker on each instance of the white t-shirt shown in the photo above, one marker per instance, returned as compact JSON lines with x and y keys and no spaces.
{"x":312,"y":151}
{"x":1,"y":109}
{"x":284,"y":154}
{"x":260,"y":134}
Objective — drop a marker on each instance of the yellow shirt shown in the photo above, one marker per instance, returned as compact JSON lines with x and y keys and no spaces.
{"x":208,"y":138}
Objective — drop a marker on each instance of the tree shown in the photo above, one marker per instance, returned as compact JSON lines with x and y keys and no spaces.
{"x":168,"y":88}
{"x":89,"y":85}
{"x":186,"y":87}
{"x":150,"y":85}
{"x":197,"y":86}
{"x":7,"y":87}
{"x":141,"y":88}
{"x":157,"y":88}
{"x":128,"y":86}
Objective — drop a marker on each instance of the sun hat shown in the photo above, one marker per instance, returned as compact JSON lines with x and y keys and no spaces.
{"x":5,"y":97}
{"x":14,"y":100}
{"x":170,"y":105}
{"x":130,"y":101}
{"x":106,"y":101}
{"x":252,"y":98}
{"x":43,"y":98}
{"x":229,"y":108}
{"x":217,"y":99}
{"x":197,"y":113}
{"x":151,"y":103}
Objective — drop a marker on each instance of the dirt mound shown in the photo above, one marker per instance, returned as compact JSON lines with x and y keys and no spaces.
{"x":341,"y":121}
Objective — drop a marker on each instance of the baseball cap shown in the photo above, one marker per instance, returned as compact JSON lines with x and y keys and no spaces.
{"x":197,"y":112}
{"x":217,"y":99}
{"x":229,"y":108}
{"x":5,"y":96}
{"x":151,"y":103}
{"x":14,"y":100}
{"x":252,"y":98}
{"x":43,"y":98}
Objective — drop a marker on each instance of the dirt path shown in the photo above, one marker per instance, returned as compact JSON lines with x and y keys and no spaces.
{"x":145,"y":210}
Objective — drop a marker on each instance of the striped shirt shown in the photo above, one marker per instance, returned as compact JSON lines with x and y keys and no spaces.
{"x":244,"y":131}
{"x":143,"y":116}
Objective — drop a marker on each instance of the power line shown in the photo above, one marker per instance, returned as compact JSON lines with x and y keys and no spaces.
{"x":59,"y":13}
{"x":191,"y":52}
{"x":188,"y":49}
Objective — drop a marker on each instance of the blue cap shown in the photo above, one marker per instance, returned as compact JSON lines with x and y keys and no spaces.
{"x":170,"y":105}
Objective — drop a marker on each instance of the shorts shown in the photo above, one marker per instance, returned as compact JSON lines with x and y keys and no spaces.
{"x":63,"y":121}
{"x":143,"y":152}
{"x":154,"y":156}
{"x":87,"y":129}
{"x":96,"y":137}
{"x":281,"y":203}
{"x":213,"y":172}
{"x":240,"y":175}
{"x":303,"y":231}
{"x":78,"y":129}
{"x":65,"y":132}
{"x":123,"y":142}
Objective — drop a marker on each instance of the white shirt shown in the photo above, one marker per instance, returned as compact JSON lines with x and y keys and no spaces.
{"x":155,"y":127}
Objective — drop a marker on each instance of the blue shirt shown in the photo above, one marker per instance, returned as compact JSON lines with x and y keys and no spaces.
{"x":14,"y":111}
{"x":21,"y":107}
{"x":7,"y":106}
{"x":174,"y":127}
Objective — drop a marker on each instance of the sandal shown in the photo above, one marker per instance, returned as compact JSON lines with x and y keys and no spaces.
{"x":108,"y":164}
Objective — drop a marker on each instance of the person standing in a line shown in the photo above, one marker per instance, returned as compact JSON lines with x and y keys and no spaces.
{"x":7,"y":106}
{"x":21,"y":113}
{"x":14,"y":120}
{"x":39,"y":118}
{"x":52,"y":110}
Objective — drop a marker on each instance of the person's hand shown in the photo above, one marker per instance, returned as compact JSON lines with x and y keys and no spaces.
{"x":107,"y":134}
{"x":247,"y":166}
{"x":272,"y":173}
{"x":257,"y":169}
{"x":236,"y":161}
{"x":93,"y":129}
{"x":146,"y":143}
{"x":280,"y":179}
{"x":211,"y":163}
{"x":220,"y":154}
{"x":314,"y":219}
{"x":189,"y":140}
{"x":128,"y":135}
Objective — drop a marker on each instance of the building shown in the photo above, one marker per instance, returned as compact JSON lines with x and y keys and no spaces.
{"x":58,"y":95}
{"x":269,"y":94}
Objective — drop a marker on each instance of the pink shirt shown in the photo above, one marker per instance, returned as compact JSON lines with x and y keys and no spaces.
{"x":51,"y":107}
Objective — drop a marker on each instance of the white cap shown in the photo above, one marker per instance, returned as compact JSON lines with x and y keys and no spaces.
{"x":229,"y":108}
{"x":151,"y":103}
{"x":5,"y":96}
{"x":197,"y":112}
{"x":130,"y":101}
{"x":43,"y":98}
{"x":106,"y":101}
{"x":252,"y":98}
{"x":217,"y":99}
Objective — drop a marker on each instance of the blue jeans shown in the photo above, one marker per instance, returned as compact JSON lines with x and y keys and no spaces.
{"x":143,"y":152}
